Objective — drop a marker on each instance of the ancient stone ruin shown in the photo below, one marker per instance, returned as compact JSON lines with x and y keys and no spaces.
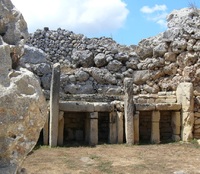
{"x":97,"y":90}
{"x":114,"y":93}
{"x":23,"y":108}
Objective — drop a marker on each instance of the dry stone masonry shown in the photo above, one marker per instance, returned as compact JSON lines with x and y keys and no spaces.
{"x":98,"y":90}
{"x":164,"y":71}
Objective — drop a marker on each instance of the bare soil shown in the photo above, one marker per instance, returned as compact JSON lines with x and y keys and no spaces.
{"x":175,"y":158}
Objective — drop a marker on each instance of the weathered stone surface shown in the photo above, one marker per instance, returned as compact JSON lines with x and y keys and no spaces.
{"x":168,"y":106}
{"x":114,"y":65}
{"x":185,"y":96}
{"x":13,"y":27}
{"x":23,"y":109}
{"x":54,"y":105}
{"x":100,"y":60}
{"x":129,"y":110}
{"x":155,"y":127}
{"x":187,"y":126}
{"x":93,"y":129}
{"x":23,"y":113}
{"x":83,"y":58}
{"x":103,"y":76}
{"x":144,"y":107}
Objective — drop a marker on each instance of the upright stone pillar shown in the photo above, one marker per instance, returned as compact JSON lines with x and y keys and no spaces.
{"x":113,"y":128}
{"x":176,"y":126}
{"x":46,"y":132}
{"x":54,"y":105}
{"x":184,"y":94}
{"x":120,"y":127}
{"x":93,"y":138}
{"x":129,"y":109}
{"x":61,"y":128}
{"x":136,"y":128}
{"x":155,"y":127}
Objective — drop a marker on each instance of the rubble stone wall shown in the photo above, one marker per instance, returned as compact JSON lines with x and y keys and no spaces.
{"x":99,"y":65}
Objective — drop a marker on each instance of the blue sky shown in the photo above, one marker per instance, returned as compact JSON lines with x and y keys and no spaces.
{"x":126,"y":21}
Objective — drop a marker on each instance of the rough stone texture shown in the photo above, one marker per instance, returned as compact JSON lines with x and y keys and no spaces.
{"x":23,"y":108}
{"x":185,"y":98}
{"x":13,"y":27}
{"x":156,"y":64}
{"x":128,"y":111}
{"x":155,"y":127}
{"x":54,"y":105}
{"x":23,"y":112}
{"x":100,"y":65}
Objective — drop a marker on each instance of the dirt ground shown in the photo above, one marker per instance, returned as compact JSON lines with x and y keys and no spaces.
{"x":175,"y":158}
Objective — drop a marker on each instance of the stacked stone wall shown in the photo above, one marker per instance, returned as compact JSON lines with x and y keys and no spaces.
{"x":99,"y":65}
{"x":157,"y":64}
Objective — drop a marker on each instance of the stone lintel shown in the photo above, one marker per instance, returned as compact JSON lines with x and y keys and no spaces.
{"x":168,"y":106}
{"x":73,"y":106}
{"x":103,"y":107}
{"x":76,"y":106}
{"x":145,"y":107}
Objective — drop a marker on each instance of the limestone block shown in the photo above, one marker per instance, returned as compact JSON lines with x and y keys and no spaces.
{"x":155,"y":116}
{"x":155,"y":127}
{"x":155,"y":132}
{"x":23,"y":112}
{"x":120,"y":127}
{"x":113,"y":128}
{"x":145,"y":107}
{"x":93,"y":137}
{"x":54,"y":105}
{"x":103,"y":107}
{"x":71,"y":106}
{"x":184,"y":94}
{"x":197,"y":114}
{"x":168,"y":106}
{"x":187,"y":126}
{"x":128,"y":109}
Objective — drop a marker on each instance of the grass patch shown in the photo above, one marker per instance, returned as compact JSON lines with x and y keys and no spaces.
{"x":105,"y":166}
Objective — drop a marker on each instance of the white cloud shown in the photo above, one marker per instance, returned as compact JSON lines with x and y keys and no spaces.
{"x":82,"y":16}
{"x":156,"y":14}
{"x":147,"y":9}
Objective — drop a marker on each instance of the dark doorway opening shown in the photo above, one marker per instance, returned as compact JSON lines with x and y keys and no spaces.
{"x":74,"y":128}
{"x":145,"y":127}
{"x":103,"y":127}
{"x":165,"y":127}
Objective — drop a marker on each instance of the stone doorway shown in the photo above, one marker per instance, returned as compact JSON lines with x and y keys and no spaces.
{"x":145,"y":126}
{"x":74,"y":127}
{"x":166,"y":131}
{"x":103,"y":127}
